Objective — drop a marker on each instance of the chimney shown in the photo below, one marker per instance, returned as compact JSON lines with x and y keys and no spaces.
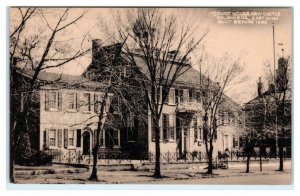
{"x":259,"y":87}
{"x":96,"y":45}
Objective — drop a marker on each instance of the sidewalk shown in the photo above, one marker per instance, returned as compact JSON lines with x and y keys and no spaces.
{"x":144,"y":177}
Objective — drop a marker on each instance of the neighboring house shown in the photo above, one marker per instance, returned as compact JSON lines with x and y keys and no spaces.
{"x":231,"y":126}
{"x":182,"y":116}
{"x":264,"y":116}
{"x":66,"y":112}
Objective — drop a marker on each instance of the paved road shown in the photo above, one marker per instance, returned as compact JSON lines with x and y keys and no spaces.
{"x":278,"y":179}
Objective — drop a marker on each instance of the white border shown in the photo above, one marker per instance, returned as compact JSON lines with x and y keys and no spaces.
{"x":203,"y":3}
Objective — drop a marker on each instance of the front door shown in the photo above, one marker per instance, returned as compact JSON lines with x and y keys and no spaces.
{"x":86,"y":143}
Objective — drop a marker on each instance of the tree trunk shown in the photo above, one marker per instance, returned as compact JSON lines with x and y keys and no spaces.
{"x":260,"y":158}
{"x":248,"y":163}
{"x":15,"y":131}
{"x":280,"y":158}
{"x":157,"y":173}
{"x":94,"y":176}
{"x":209,"y":152}
{"x":210,"y":165}
{"x":11,"y":158}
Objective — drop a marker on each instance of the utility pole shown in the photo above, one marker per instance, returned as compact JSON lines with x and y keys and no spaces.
{"x":276,"y":128}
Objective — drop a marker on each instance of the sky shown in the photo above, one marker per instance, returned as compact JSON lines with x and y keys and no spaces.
{"x":252,"y":44}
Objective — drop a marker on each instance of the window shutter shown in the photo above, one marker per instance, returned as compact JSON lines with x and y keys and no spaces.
{"x":47,"y":100}
{"x":96,"y":103}
{"x":77,"y":102}
{"x":59,"y":100}
{"x":47,"y":137}
{"x":59,"y":138}
{"x":65,"y":138}
{"x":78,"y":138}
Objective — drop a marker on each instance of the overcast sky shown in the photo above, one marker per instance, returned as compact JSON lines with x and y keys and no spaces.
{"x":252,"y":43}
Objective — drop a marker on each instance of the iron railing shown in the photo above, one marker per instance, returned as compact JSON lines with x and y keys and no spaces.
{"x":72,"y":156}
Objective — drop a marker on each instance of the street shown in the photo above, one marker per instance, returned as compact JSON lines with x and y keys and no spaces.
{"x":194,"y":175}
{"x":278,"y":179}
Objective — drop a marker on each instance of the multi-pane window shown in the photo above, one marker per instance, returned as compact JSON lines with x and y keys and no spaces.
{"x":179,"y":96}
{"x":96,"y":103}
{"x":87,"y":102}
{"x":71,"y":138}
{"x":222,"y":119}
{"x":71,"y":101}
{"x":226,"y":118}
{"x":168,"y":127}
{"x":116,"y":137}
{"x":52,"y":137}
{"x":102,"y":138}
{"x":52,"y":99}
{"x":185,"y":95}
{"x":172,"y":127}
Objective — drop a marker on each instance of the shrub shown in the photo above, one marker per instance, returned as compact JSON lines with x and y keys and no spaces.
{"x":24,"y":152}
{"x":25,"y":155}
{"x":42,"y":158}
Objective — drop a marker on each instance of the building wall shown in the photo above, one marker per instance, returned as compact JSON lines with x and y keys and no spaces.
{"x":173,"y":109}
{"x":70,"y":119}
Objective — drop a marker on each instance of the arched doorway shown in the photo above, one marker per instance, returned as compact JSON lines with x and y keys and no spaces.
{"x":86,"y":143}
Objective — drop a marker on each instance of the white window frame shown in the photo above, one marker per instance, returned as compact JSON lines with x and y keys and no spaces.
{"x":52,"y":137}
{"x":172,"y":126}
{"x":74,"y":101}
{"x":73,"y":137}
{"x":171,"y":92}
{"x":55,"y":108}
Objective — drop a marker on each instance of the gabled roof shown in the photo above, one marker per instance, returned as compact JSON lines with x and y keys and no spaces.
{"x":191,"y":77}
{"x":62,"y":80}
{"x":268,"y":93}
{"x":229,"y":105}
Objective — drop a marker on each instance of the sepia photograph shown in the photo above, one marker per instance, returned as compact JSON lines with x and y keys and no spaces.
{"x":150,"y":95}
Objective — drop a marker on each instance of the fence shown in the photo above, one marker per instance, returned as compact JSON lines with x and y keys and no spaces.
{"x":72,"y":156}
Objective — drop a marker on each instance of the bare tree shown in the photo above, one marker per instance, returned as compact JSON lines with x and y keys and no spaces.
{"x":119,"y":97}
{"x":279,"y":103}
{"x":34,"y":45}
{"x":219,"y":74}
{"x":158,"y":48}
